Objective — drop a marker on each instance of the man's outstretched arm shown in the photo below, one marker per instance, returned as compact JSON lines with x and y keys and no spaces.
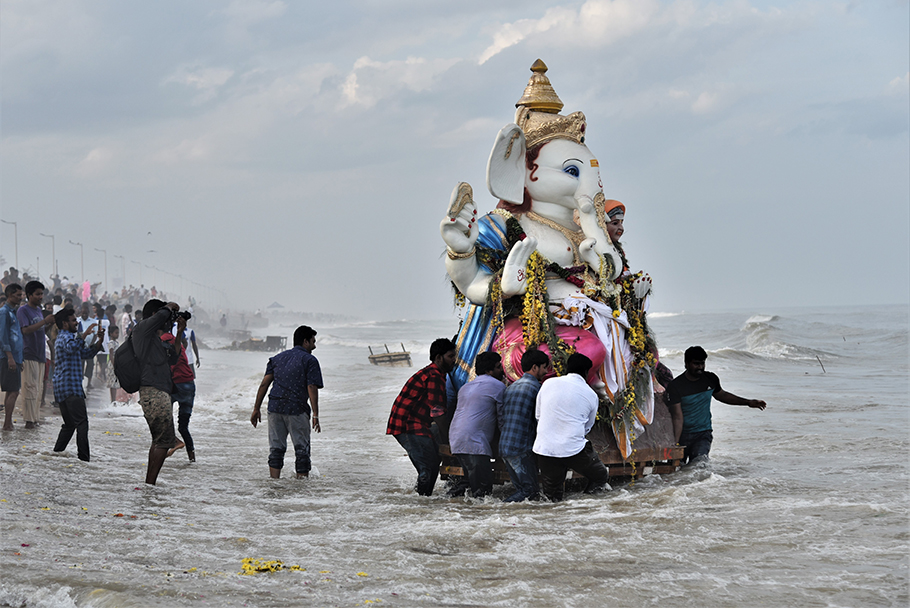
{"x":731,"y":399}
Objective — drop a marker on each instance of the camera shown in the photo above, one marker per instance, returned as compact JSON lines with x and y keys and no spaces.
{"x":185,"y":314}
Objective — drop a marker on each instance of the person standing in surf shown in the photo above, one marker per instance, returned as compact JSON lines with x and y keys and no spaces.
{"x":689,"y":401}
{"x":293,"y":402}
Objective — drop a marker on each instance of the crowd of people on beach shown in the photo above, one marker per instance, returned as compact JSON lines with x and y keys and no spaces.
{"x":61,"y":342}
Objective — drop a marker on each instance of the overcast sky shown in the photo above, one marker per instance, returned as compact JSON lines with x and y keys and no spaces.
{"x":305,"y":152}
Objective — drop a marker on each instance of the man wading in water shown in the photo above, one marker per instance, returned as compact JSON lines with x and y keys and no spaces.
{"x":689,"y":398}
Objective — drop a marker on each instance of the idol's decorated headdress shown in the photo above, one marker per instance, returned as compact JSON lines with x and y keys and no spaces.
{"x":538,"y":112}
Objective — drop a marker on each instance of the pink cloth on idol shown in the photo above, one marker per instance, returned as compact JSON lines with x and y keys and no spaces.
{"x":510,"y":345}
{"x":86,"y":291}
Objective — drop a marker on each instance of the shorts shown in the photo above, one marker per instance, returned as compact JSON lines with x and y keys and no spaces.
{"x":159,"y":413}
{"x":10,"y":379}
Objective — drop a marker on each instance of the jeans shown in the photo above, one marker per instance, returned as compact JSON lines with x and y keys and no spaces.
{"x":299,"y":428}
{"x":478,"y":474}
{"x":424,"y":455}
{"x":697,"y":444}
{"x":184,"y":395}
{"x":586,"y":462}
{"x":75,"y":419}
{"x":523,"y":473}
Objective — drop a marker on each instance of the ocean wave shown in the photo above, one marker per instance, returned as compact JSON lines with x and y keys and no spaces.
{"x":663,"y":315}
{"x":761,"y":319}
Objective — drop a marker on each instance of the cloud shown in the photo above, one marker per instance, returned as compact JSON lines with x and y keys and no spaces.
{"x":96,"y":162}
{"x":599,"y":24}
{"x":187,"y":150}
{"x":511,"y":34}
{"x":370,"y":81}
{"x":205,"y":80}
{"x":899,"y":85}
{"x":596,"y":20}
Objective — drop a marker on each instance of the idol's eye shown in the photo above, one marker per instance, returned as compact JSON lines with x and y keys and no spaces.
{"x":571,"y":170}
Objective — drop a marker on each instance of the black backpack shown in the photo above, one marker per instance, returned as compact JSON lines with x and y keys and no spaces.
{"x":127,"y":367}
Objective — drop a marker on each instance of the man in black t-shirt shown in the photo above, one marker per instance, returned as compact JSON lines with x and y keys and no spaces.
{"x":689,"y":400}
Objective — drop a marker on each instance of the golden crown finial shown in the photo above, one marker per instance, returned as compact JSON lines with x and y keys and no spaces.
{"x":539,"y":94}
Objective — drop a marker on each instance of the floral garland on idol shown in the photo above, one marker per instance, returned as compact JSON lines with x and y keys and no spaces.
{"x":538,"y":323}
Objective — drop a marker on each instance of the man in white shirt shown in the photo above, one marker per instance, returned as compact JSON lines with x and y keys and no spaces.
{"x":566,"y":411}
{"x":126,"y":321}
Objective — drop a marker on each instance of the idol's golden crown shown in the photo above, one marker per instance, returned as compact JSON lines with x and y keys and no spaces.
{"x":538,"y":112}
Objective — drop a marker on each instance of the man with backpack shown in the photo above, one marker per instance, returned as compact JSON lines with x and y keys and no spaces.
{"x":155,"y":381}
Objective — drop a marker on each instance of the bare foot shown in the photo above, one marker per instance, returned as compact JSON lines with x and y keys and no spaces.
{"x":179,"y":446}
{"x":302,"y":475}
{"x":8,"y":427}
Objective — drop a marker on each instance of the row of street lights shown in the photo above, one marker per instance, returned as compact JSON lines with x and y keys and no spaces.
{"x":54,"y":269}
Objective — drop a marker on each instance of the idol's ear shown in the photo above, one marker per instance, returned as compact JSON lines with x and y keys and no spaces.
{"x":506,"y":167}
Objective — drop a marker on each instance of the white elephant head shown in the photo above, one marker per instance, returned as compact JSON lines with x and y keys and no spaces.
{"x":543,"y":173}
{"x":540,"y":163}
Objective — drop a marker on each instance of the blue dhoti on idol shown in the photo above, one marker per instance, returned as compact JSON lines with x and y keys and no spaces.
{"x":477,"y":332}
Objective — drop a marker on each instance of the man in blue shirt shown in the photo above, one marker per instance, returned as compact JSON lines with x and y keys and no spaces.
{"x":518,"y":425}
{"x":474,"y":425}
{"x":297,"y":378}
{"x":12,"y":347}
{"x":689,"y":401}
{"x":70,"y":350}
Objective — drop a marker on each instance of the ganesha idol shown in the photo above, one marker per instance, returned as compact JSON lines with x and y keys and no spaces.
{"x":541,"y":270}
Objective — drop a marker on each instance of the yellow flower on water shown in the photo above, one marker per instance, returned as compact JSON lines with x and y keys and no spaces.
{"x":362,"y":574}
{"x":250,"y":566}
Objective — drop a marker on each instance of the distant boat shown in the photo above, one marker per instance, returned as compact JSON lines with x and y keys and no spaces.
{"x":390,"y":359}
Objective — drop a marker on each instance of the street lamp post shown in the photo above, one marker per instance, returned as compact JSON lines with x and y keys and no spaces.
{"x":154,"y":281}
{"x":53,"y":252}
{"x":16,"y":236}
{"x":81,"y":260}
{"x":122,"y":271}
{"x":104,"y":251}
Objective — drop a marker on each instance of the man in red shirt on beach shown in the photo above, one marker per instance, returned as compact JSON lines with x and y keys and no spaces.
{"x":423,"y":398}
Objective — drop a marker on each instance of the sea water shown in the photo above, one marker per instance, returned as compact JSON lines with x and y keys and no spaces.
{"x":803,"y":504}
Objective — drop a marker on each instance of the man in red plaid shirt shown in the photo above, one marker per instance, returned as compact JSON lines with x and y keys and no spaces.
{"x":423,"y":398}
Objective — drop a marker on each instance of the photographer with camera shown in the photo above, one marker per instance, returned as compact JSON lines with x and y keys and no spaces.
{"x":184,"y":383}
{"x":156,"y":384}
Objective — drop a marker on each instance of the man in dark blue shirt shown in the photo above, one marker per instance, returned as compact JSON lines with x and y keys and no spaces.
{"x":297,"y":379}
{"x":689,"y":400}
